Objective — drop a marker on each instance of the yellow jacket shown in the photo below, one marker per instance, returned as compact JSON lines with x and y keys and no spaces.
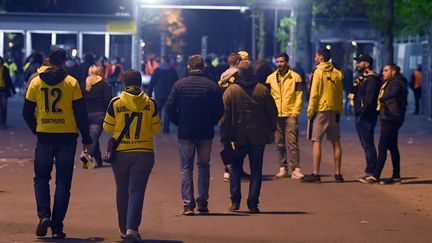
{"x":143,"y":127}
{"x":326,"y":92}
{"x":287,"y":93}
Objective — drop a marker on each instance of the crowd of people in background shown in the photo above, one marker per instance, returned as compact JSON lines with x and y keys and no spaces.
{"x":253,"y":105}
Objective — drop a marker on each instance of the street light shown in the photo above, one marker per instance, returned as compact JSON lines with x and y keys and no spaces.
{"x":328,"y":47}
{"x":354,"y":43}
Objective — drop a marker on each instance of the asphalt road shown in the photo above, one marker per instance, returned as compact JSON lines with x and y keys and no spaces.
{"x":291,"y":211}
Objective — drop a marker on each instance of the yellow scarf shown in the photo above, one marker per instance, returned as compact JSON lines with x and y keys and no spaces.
{"x":381,"y":93}
{"x":2,"y":80}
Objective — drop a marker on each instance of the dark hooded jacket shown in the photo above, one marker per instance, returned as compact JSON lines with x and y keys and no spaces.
{"x":366,"y":96}
{"x":250,"y":113}
{"x":162,"y":80}
{"x":54,"y":76}
{"x":394,"y":100}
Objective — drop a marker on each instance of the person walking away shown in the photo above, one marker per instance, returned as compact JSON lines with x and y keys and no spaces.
{"x":60,"y":112}
{"x":161,"y":82}
{"x":365,"y":95}
{"x":89,"y":59}
{"x":324,"y":110}
{"x":97,"y":97}
{"x":7,"y":88}
{"x":249,"y":122}
{"x":392,"y":101}
{"x":195,"y":107}
{"x":227,"y":78}
{"x":263,"y":70}
{"x":416,"y":86}
{"x":13,"y":71}
{"x":116,"y":74}
{"x":134,"y":157}
{"x":286,"y":88}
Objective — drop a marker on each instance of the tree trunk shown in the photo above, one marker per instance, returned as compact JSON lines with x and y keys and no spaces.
{"x":388,"y":33}
{"x":261,"y":35}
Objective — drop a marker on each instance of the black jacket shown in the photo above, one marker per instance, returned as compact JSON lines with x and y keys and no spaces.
{"x":195,"y":106}
{"x":366,"y":96}
{"x":250,"y":113}
{"x":162,"y":81}
{"x":9,"y":87}
{"x":394,"y":100}
{"x":99,"y":97}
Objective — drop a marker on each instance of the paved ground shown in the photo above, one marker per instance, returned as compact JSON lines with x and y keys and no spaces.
{"x":291,"y":211}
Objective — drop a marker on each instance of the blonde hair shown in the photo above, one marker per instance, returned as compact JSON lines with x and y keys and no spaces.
{"x":94,"y":72}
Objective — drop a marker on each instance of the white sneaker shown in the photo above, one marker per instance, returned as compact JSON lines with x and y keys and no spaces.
{"x":226,"y":176}
{"x":296,"y":174}
{"x":283,"y":173}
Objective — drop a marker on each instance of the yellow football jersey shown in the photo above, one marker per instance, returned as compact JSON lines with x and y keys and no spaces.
{"x":54,"y":113}
{"x":143,"y":127}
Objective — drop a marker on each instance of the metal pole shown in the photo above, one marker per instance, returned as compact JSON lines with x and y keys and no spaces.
{"x":53,"y":39}
{"x":80,"y":44}
{"x":2,"y":43}
{"x":292,"y":39}
{"x":135,"y":62}
{"x":28,"y":43}
{"x":276,"y":25}
{"x":107,"y":44}
{"x":253,"y":34}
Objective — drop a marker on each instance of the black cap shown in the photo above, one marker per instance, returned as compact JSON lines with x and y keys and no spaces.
{"x":364,"y":58}
{"x":57,"y":56}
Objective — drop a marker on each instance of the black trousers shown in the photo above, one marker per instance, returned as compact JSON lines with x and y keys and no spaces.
{"x":388,"y":141}
{"x":417,"y":97}
{"x":3,"y":108}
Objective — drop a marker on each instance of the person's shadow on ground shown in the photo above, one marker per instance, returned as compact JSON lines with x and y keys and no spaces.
{"x":72,"y":240}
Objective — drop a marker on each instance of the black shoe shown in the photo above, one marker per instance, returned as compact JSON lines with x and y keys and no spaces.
{"x":391,"y":181}
{"x":203,"y":210}
{"x":245,"y":176}
{"x":203,"y":207}
{"x":59,"y":235}
{"x":254,"y":210}
{"x":339,"y":178}
{"x":42,"y":227}
{"x":133,"y":238}
{"x":233,"y":207}
{"x":188,"y":211}
{"x":311,"y":179}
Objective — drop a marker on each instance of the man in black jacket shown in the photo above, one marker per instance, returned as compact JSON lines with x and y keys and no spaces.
{"x":365,"y":95}
{"x":249,"y":122}
{"x":195,"y":106}
{"x":61,"y":111}
{"x":6,"y":87}
{"x":392,"y":101}
{"x":162,"y":81}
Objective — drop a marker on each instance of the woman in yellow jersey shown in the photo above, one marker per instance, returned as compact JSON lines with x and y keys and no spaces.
{"x":134,"y":158}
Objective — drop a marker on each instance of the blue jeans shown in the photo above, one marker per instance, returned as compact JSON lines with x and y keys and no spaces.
{"x":131,"y":171}
{"x":365,"y":131}
{"x":64,"y":155}
{"x":256,"y":155}
{"x":95,"y":120}
{"x":187,"y":150}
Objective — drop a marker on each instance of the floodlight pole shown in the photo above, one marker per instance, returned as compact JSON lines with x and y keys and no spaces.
{"x":253,"y":33}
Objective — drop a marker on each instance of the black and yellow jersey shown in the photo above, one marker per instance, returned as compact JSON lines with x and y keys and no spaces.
{"x":54,"y":104}
{"x":144,"y":125}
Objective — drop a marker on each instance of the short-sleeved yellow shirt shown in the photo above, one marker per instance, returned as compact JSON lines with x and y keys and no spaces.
{"x":54,"y":104}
